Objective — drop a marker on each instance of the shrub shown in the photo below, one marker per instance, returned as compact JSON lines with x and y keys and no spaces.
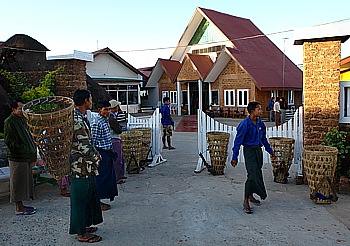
{"x":336,"y":138}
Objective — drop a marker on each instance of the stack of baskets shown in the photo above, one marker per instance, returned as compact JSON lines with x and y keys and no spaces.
{"x":319,"y":164}
{"x":282,"y":160}
{"x":217,"y":145}
{"x":50,"y":122}
{"x":132,"y":150}
{"x":146,"y":142}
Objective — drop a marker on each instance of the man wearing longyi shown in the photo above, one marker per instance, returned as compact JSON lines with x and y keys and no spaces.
{"x":85,"y":204}
{"x":251,"y":133}
{"x":102,"y":141}
{"x":21,"y":154}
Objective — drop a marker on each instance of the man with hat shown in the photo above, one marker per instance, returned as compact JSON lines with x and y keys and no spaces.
{"x":118,"y":163}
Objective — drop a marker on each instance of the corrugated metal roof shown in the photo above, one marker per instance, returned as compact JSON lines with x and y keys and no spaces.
{"x":118,"y":58}
{"x":259,"y":56}
{"x":146,"y":71}
{"x":203,"y":63}
{"x":170,"y":67}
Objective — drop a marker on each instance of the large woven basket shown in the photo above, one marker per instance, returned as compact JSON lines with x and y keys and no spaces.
{"x":132,"y":147}
{"x":217,"y":145}
{"x":282,"y":160}
{"x":50,"y":122}
{"x":320,"y":161}
{"x":145,"y":139}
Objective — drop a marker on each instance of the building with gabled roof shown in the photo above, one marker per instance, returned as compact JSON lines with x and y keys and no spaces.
{"x":120,"y":79}
{"x":246,"y":65}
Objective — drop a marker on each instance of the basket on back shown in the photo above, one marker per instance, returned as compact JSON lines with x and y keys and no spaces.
{"x":319,"y":164}
{"x":282,"y":160}
{"x":145,"y":139}
{"x":132,"y":147}
{"x":50,"y":122}
{"x":217,"y":145}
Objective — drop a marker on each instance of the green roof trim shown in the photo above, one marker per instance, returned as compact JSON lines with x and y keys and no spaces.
{"x":199,"y":32}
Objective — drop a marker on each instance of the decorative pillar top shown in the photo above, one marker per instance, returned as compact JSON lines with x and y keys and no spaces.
{"x":322,"y":33}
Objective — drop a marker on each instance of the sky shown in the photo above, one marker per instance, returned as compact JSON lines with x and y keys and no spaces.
{"x":142,"y":31}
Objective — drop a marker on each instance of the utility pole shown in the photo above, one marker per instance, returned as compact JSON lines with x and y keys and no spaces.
{"x":283,"y":64}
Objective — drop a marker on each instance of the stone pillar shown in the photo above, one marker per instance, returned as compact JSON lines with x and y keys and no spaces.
{"x":71,"y":77}
{"x":321,"y":89}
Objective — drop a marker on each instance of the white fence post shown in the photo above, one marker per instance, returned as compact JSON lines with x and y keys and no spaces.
{"x":156,"y":137}
{"x":291,"y":129}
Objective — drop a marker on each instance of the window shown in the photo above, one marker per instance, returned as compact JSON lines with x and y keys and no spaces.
{"x":243,"y":98}
{"x":173,"y":97}
{"x":344,"y":102}
{"x":119,"y":92}
{"x":290,"y":97}
{"x":215,"y":98}
{"x":229,"y":97}
{"x":144,"y":94}
{"x":165,"y":94}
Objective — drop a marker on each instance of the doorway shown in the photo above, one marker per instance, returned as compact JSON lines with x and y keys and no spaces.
{"x":194,"y":97}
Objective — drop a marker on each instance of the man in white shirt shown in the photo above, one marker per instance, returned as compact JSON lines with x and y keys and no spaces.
{"x":277,"y":111}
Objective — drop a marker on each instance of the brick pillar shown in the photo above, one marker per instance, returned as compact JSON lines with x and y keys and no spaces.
{"x":321,"y":89}
{"x":71,"y":77}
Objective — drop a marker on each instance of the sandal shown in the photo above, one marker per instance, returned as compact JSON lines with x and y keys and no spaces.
{"x":164,"y":147}
{"x":171,"y":147}
{"x":27,"y":211}
{"x":120,"y":181}
{"x":65,"y":194}
{"x":247,"y":210}
{"x":90,"y":238}
{"x":256,"y":202}
{"x":91,"y":229}
{"x":105,"y":206}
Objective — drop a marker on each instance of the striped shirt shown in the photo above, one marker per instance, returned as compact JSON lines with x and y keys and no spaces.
{"x":101,"y":135}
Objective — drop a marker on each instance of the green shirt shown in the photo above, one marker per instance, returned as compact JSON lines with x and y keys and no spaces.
{"x":18,"y":140}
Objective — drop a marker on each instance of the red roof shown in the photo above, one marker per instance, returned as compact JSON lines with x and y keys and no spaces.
{"x":203,"y":63}
{"x":259,"y":56}
{"x":345,"y":61}
{"x":146,"y":71}
{"x":170,"y":67}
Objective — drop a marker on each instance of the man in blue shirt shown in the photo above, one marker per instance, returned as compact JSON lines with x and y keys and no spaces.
{"x":270,"y":105}
{"x":251,"y":133}
{"x":167,"y":122}
{"x":101,"y":139}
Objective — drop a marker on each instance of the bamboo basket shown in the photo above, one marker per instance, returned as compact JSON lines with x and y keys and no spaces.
{"x":320,"y":162}
{"x":50,"y":122}
{"x":132,"y":146}
{"x":217,"y":145}
{"x":282,"y":160}
{"x":145,"y":139}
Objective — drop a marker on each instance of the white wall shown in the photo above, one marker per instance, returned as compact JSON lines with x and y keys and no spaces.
{"x":106,"y":66}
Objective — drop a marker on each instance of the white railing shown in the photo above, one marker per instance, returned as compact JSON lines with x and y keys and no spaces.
{"x":156,"y":138}
{"x":145,"y":121}
{"x":292,"y":128}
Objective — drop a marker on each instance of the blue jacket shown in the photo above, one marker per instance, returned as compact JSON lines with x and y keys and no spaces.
{"x":249,"y":134}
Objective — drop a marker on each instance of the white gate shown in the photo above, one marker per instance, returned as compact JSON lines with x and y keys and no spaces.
{"x":151,"y":122}
{"x":292,"y":128}
{"x":156,"y":138}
